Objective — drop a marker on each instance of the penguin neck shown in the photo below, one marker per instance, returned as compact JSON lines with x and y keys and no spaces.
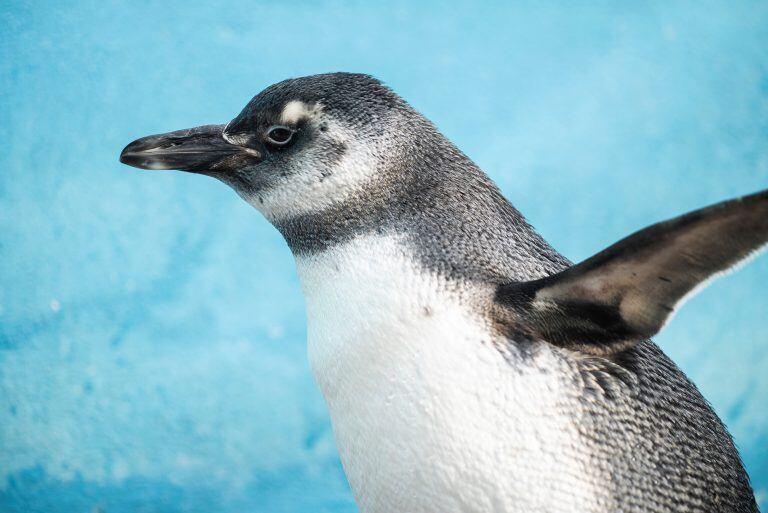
{"x":450,"y":214}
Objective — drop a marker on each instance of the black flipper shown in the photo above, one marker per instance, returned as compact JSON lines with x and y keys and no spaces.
{"x":627,"y":292}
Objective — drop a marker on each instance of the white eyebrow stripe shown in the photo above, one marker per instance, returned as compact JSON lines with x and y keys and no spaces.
{"x":296,"y":110}
{"x":293,"y":112}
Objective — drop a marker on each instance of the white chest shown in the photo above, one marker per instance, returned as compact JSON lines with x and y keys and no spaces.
{"x":429,"y":416}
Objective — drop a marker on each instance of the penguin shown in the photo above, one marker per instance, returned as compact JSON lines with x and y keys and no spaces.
{"x":467,"y":365}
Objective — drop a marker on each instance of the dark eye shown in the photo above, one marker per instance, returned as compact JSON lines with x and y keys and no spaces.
{"x":279,"y":135}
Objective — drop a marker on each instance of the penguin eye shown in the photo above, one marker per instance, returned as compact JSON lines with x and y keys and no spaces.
{"x":279,"y":135}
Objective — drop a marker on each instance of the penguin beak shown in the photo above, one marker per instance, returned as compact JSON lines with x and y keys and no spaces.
{"x":198,"y":150}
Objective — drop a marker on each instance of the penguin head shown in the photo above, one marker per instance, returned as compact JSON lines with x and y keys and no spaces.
{"x":299,"y":146}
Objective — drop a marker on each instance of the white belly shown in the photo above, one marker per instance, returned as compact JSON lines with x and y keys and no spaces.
{"x":428,"y":414}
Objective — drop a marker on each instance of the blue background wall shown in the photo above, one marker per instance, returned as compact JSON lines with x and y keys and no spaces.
{"x":151,"y":325}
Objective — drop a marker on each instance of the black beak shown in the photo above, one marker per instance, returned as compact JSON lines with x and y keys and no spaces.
{"x":198,"y":150}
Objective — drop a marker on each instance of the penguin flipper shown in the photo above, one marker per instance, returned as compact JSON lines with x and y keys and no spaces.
{"x":627,"y":292}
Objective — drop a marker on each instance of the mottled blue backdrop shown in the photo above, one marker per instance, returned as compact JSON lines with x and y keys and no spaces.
{"x":152,"y":350}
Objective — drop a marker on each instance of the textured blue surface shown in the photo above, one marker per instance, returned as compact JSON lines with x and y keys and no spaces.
{"x":151,"y":325}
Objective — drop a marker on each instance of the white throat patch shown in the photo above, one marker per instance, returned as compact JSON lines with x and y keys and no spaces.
{"x":315,"y":184}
